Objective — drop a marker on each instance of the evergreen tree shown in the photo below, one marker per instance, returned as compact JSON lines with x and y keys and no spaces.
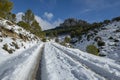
{"x":24,"y":25}
{"x":28,"y":17}
{"x":106,"y":21}
{"x":29,"y":23}
{"x":5,"y":7}
{"x":11,"y":17}
{"x":35,"y":28}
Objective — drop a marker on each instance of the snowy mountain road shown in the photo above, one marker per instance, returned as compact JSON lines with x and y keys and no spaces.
{"x":51,"y":61}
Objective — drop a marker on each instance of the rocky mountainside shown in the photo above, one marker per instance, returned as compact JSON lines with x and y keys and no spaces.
{"x":73,"y":22}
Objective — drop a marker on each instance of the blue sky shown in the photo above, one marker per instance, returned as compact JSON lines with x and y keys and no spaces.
{"x":53,"y":10}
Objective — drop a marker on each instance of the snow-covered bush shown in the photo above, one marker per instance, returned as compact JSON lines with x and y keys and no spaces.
{"x":67,"y":39}
{"x":5,"y":47}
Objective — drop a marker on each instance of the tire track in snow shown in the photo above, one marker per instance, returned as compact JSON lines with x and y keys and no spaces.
{"x":98,"y":70}
{"x":10,"y":65}
{"x":80,"y":75}
{"x":22,"y":66}
{"x":38,"y":67}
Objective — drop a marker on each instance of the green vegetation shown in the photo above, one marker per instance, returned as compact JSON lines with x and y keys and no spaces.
{"x":24,"y":25}
{"x":36,"y":29}
{"x":30,"y":24}
{"x":44,"y":39}
{"x":76,"y":28}
{"x":116,"y":19}
{"x":67,"y":39}
{"x":63,"y":43}
{"x":92,"y":49}
{"x":28,"y":20}
{"x":11,"y":17}
{"x":81,"y":27}
{"x":106,"y":21}
{"x":72,"y":34}
{"x":5,"y":8}
{"x":28,"y":17}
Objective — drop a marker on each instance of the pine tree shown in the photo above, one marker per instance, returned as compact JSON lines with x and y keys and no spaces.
{"x":11,"y":17}
{"x":36,"y":29}
{"x":29,"y":23}
{"x":5,"y":7}
{"x":28,"y":17}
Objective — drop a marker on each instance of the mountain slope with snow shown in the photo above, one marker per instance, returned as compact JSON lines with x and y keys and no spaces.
{"x":109,"y":34}
{"x":14,"y":38}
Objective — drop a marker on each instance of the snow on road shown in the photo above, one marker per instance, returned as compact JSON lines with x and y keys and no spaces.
{"x":21,"y":66}
{"x":58,"y":63}
{"x":61,"y":63}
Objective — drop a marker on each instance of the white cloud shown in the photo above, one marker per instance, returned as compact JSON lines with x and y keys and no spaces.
{"x":19,"y":16}
{"x":42,"y":22}
{"x":48,"y":15}
{"x":47,"y":25}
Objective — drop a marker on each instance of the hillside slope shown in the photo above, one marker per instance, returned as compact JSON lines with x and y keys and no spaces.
{"x":14,"y":38}
{"x":109,"y":34}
